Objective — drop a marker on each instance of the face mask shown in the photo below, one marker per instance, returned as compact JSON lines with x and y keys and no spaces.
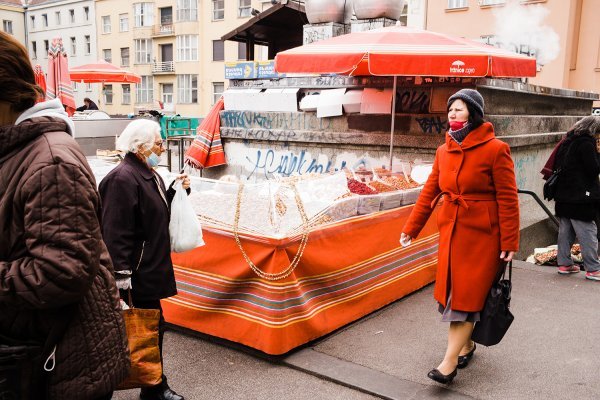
{"x":456,"y":125}
{"x":152,"y":160}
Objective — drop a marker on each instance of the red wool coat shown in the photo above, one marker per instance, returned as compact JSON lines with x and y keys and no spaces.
{"x":474,"y":186}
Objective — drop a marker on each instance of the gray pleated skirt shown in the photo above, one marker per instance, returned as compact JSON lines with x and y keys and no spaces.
{"x":450,"y":315}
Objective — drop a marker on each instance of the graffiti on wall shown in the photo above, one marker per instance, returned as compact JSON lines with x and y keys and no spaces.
{"x":284,"y":121}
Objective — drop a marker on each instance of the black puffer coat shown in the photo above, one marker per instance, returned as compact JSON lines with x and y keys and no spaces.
{"x":578,"y":190}
{"x":52,"y":256}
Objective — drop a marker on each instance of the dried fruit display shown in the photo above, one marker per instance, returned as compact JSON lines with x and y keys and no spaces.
{"x":359,"y":188}
{"x":381,"y":187}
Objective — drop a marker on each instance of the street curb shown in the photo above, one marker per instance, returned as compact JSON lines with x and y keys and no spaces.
{"x":365,"y":379}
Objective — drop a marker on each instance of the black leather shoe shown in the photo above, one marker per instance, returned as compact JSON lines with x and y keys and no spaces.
{"x":463,"y":361}
{"x":166,"y":394}
{"x":441,"y":378}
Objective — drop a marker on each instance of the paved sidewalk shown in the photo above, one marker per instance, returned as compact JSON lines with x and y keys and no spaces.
{"x":551,"y":352}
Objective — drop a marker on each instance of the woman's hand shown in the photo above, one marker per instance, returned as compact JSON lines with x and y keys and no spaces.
{"x":405,"y":239}
{"x":507,"y":255}
{"x":185,"y":181}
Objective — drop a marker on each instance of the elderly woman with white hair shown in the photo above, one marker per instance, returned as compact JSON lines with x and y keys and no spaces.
{"x":135,"y":227}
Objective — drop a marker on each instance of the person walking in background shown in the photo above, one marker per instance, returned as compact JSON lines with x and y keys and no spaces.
{"x":135,"y":226}
{"x":56,"y":278}
{"x":473,"y":179}
{"x":578,"y":197}
{"x":88,"y":104}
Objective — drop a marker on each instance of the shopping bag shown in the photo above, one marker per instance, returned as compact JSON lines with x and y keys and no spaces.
{"x":495,"y":318}
{"x":184,"y":227}
{"x":142,"y":336}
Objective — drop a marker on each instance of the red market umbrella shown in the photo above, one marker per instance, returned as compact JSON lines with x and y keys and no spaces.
{"x":401,"y":51}
{"x":101,"y":72}
{"x":207,"y":150}
{"x":40,"y":77}
{"x":59,"y":82}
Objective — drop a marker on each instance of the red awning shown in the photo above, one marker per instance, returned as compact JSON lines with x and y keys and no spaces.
{"x":101,"y":72}
{"x":403,"y":51}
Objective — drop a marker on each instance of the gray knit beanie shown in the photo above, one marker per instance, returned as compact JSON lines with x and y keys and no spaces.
{"x":470,"y":96}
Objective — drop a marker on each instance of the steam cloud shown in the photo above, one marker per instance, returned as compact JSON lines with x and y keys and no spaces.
{"x":521,"y":28}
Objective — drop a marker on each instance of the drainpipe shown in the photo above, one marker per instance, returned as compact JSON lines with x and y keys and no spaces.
{"x":26,"y":8}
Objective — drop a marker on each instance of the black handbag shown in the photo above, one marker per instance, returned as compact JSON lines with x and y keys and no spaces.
{"x":551,"y":184}
{"x":495,"y":318}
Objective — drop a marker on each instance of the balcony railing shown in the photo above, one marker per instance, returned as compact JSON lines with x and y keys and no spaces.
{"x":165,"y":67}
{"x":164,"y":30}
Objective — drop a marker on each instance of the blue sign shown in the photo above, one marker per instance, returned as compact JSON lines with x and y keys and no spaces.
{"x":266,"y":69}
{"x":240,"y":70}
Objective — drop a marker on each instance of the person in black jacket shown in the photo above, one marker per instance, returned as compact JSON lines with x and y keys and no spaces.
{"x":578,"y":197}
{"x":135,"y":226}
{"x":88,"y":104}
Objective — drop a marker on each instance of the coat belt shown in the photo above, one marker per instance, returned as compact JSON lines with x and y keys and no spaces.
{"x":461,"y":199}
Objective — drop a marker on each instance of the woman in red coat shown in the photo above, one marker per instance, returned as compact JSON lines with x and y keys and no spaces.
{"x":473,"y":184}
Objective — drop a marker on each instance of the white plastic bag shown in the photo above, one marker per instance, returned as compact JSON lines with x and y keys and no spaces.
{"x":184,"y":228}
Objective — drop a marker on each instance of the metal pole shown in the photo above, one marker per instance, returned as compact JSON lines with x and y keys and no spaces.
{"x":393,"y":122}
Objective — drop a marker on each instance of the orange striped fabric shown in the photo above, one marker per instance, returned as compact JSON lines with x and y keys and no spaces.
{"x":348,"y":270}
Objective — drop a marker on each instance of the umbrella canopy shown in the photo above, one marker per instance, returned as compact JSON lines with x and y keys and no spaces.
{"x":101,"y":72}
{"x":207,"y":150}
{"x":402,"y":51}
{"x":40,"y":77}
{"x":59,"y":82}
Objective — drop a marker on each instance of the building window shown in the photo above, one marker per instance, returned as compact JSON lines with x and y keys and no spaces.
{"x":124,"y":56}
{"x":123,"y":22}
{"x":106,"y":28}
{"x":34,"y":49}
{"x":32,"y":21}
{"x":491,"y":2}
{"x":245,"y":8}
{"x":187,"y":48}
{"x":457,"y":4}
{"x":404,"y":15}
{"x":108,"y":94}
{"x":107,"y":55}
{"x":57,"y":18}
{"x":144,"y":92}
{"x":241,"y":50}
{"x":218,"y":50}
{"x":143,"y":14}
{"x":88,"y":87}
{"x":218,"y":9}
{"x":167,"y":93}
{"x":45,"y":20}
{"x":46,"y":48}
{"x":218,"y":89}
{"x":73,"y":46}
{"x":187,"y":89}
{"x":88,"y":45}
{"x":86,"y":13}
{"x":143,"y":51}
{"x":74,"y":85}
{"x":126,"y":94}
{"x":187,"y":10}
{"x":7,"y":26}
{"x":72,"y":16}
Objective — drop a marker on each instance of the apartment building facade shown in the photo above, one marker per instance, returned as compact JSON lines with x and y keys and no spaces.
{"x":74,"y":22}
{"x":175,"y":46}
{"x":567,"y":28}
{"x":12,"y":16}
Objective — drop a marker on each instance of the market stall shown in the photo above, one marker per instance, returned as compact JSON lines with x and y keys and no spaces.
{"x":288,"y":261}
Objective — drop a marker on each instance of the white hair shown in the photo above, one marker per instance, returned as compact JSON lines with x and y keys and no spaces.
{"x":140,"y":132}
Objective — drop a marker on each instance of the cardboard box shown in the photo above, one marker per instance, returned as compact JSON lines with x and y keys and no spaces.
{"x":242,"y":99}
{"x":376,"y":101}
{"x":352,"y":101}
{"x":310,"y":102}
{"x":279,"y":100}
{"x":330,"y":103}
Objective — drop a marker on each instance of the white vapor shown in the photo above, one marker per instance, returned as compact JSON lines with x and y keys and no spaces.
{"x":521,"y":28}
